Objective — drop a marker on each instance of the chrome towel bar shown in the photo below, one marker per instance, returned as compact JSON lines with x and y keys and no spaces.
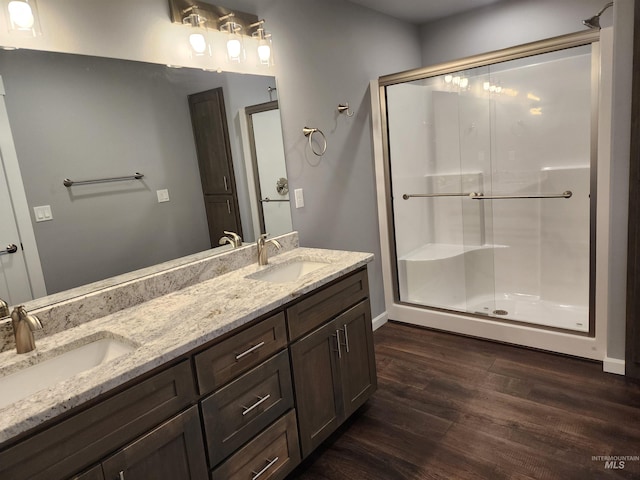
{"x":68,"y":183}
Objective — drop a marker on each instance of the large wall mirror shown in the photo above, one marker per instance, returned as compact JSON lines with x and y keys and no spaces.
{"x":82,"y":117}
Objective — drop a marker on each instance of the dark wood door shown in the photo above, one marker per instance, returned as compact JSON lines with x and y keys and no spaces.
{"x":211,"y":134}
{"x":222,"y":214}
{"x":358,"y":367}
{"x":173,"y":451}
{"x":94,"y":473}
{"x":632,"y":340}
{"x":316,"y":378}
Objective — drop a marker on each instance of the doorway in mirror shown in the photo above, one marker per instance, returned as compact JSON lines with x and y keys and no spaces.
{"x":266,"y":168}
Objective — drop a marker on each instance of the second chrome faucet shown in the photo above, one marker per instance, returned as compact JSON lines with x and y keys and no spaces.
{"x":263,"y":243}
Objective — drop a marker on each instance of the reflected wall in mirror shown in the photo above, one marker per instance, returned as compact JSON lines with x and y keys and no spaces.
{"x":82,"y":117}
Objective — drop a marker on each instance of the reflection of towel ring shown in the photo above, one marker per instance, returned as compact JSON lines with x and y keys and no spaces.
{"x":308,"y":132}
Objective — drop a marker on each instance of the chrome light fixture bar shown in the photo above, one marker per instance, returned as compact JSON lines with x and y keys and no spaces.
{"x":237,"y":25}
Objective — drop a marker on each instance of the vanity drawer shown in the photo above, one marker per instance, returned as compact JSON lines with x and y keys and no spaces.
{"x":270,"y":456}
{"x":237,"y":354}
{"x":240,"y":410}
{"x":85,"y":438}
{"x":320,"y":307}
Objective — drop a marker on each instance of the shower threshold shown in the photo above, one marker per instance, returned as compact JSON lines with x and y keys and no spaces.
{"x":524,"y":308}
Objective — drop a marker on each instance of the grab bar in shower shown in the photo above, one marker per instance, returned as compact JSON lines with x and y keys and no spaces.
{"x":432,"y":195}
{"x":480,"y":196}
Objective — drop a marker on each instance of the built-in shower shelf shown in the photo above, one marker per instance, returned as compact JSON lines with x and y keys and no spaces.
{"x":440,"y":251}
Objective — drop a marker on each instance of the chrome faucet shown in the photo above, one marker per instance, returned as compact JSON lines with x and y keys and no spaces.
{"x":4,"y":309}
{"x":231,"y":238}
{"x":24,"y":325}
{"x":262,"y":242}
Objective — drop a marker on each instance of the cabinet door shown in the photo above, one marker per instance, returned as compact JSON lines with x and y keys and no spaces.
{"x":211,"y":133}
{"x":358,"y":367}
{"x":316,"y":378}
{"x":222,"y":215}
{"x":94,"y":473}
{"x":173,"y":451}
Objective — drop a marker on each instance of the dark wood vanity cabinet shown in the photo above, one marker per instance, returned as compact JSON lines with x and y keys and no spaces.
{"x":334,"y":374}
{"x":174,"y":450}
{"x":227,"y":410}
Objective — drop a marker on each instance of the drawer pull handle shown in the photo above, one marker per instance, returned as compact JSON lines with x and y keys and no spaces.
{"x":247,"y":352}
{"x":270,"y":464}
{"x":346,"y":338}
{"x":121,"y":475}
{"x":337,"y":335}
{"x":261,"y":400}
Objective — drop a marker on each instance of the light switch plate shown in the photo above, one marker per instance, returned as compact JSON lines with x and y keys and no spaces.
{"x":43,"y":213}
{"x":299,"y":197}
{"x":163,"y":195}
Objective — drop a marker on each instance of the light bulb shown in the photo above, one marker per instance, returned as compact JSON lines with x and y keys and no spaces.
{"x":464,"y":83}
{"x":448,"y":78}
{"x":486,"y":86}
{"x":456,"y":80}
{"x":198,"y":43}
{"x":21,"y":15}
{"x":264,"y":53}
{"x":234,"y":48}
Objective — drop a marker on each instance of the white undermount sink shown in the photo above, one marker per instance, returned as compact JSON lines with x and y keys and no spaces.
{"x":46,"y":373}
{"x":287,"y":272}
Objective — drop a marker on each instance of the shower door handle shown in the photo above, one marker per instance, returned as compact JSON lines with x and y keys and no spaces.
{"x":12,"y":248}
{"x":480,"y":196}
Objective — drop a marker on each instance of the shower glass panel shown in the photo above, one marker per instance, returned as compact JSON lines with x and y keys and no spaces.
{"x":490,"y":174}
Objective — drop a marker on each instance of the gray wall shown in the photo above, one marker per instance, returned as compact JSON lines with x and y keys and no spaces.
{"x":87,"y":117}
{"x":327,"y":53}
{"x":504,"y":24}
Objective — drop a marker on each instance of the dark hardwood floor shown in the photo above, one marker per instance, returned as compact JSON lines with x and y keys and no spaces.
{"x":450,"y":407}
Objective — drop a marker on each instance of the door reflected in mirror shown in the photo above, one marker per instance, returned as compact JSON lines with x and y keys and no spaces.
{"x":81,"y":117}
{"x":266,"y":164}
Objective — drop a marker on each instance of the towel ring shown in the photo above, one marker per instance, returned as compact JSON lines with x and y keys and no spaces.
{"x":308,"y":132}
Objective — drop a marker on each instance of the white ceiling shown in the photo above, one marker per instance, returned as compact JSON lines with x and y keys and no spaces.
{"x":422,"y":11}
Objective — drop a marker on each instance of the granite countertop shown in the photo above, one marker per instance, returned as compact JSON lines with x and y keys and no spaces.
{"x":162,"y":329}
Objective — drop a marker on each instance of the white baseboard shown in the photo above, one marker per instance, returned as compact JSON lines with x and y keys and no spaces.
{"x":613,"y":365}
{"x":380,"y":320}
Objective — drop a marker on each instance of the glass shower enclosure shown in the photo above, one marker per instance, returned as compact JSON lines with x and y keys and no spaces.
{"x":491,"y":170}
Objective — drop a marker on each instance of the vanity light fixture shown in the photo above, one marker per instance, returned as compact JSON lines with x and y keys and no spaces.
{"x":236,"y":26}
{"x":264,"y":43}
{"x":235,"y":46}
{"x":23,"y":17}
